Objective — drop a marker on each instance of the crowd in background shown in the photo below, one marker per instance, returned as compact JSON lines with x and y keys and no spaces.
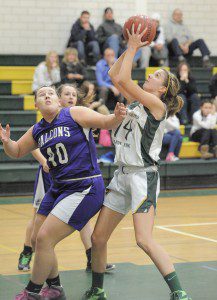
{"x":99,"y":49}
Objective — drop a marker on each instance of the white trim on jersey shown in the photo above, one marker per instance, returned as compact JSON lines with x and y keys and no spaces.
{"x":67,"y":206}
{"x":40,"y":191}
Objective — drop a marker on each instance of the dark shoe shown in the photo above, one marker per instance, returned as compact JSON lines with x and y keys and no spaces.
{"x":95,"y":294}
{"x":109,"y":267}
{"x":205,"y":154}
{"x":53,"y":292}
{"x":179,"y":295}
{"x":208,"y":64}
{"x":24,"y":262}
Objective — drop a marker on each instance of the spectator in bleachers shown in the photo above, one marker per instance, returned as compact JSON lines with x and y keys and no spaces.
{"x":47,"y":72}
{"x":181,"y":42}
{"x":188,"y":92}
{"x":108,"y":93}
{"x":109,"y":33}
{"x":204,"y":129}
{"x":83,"y":38}
{"x":71,"y":70}
{"x":172,"y":138}
{"x":89,"y":89}
{"x":213,"y":89}
{"x":157,"y":49}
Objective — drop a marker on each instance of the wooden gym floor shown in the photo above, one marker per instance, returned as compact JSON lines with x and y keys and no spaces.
{"x":185,"y":225}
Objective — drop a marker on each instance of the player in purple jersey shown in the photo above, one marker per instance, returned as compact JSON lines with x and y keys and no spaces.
{"x":69,"y":96}
{"x":77,"y":193}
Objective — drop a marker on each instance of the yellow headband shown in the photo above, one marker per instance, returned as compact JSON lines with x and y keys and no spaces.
{"x":168,"y":84}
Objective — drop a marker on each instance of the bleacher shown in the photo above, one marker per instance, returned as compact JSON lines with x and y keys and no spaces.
{"x":17,"y":109}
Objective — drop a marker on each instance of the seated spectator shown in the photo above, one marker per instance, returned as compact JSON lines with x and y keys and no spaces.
{"x":172,"y":138}
{"x":110,"y":35}
{"x":157,"y":49}
{"x":89,"y":89}
{"x":180,"y":40}
{"x":204,"y":129}
{"x":47,"y":72}
{"x":213,"y":89}
{"x":84,"y":39}
{"x":188,"y":92}
{"x":108,"y":93}
{"x":71,"y":70}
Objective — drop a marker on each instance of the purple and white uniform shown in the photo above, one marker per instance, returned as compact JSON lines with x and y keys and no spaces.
{"x":77,"y":190}
{"x":42,"y":184}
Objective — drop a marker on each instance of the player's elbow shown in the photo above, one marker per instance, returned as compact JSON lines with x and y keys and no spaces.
{"x":123,"y":81}
{"x":115,"y":79}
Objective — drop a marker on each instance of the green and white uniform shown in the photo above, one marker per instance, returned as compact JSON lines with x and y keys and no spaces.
{"x":138,"y":141}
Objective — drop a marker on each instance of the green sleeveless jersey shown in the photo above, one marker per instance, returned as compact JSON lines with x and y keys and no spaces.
{"x":138,"y":139}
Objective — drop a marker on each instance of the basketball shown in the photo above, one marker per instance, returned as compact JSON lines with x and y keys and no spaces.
{"x":146,"y":22}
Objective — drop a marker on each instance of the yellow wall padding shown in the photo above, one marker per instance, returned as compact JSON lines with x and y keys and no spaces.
{"x":151,"y":70}
{"x":29,"y":102}
{"x":16,"y":73}
{"x":21,"y":87}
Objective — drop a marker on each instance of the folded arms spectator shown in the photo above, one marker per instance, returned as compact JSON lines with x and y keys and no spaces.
{"x":83,"y":38}
{"x":109,"y":33}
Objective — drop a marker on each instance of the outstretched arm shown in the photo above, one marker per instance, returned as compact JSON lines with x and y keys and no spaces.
{"x":114,"y":74}
{"x":20,"y":148}
{"x":88,"y":118}
{"x":153,"y":103}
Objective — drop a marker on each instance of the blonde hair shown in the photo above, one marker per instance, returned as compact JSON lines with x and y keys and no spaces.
{"x":82,"y":98}
{"x":47,"y":60}
{"x":173,"y":102}
{"x":70,"y":51}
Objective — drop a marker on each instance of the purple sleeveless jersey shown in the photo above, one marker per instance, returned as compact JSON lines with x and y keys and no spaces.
{"x":69,"y":149}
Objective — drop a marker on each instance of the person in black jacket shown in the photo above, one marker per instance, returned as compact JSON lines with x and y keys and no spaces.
{"x":213,"y":89}
{"x":109,"y":33}
{"x":71,"y":70}
{"x":84,"y":39}
{"x":188,"y":92}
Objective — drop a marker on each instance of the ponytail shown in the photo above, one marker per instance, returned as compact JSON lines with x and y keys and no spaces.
{"x":173,"y":102}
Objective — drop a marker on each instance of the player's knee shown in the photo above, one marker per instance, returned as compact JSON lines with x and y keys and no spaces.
{"x":98,"y":240}
{"x":42,"y":240}
{"x":144,"y":244}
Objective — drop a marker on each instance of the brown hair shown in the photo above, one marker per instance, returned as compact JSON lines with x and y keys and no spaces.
{"x":70,"y":51}
{"x":47,"y":60}
{"x":82,"y":98}
{"x":181,"y":65}
{"x":85,"y":12}
{"x":173,"y":102}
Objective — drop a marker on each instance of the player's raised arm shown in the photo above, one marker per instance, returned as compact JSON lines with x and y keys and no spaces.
{"x":151,"y":101}
{"x":20,"y":148}
{"x":88,"y":118}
